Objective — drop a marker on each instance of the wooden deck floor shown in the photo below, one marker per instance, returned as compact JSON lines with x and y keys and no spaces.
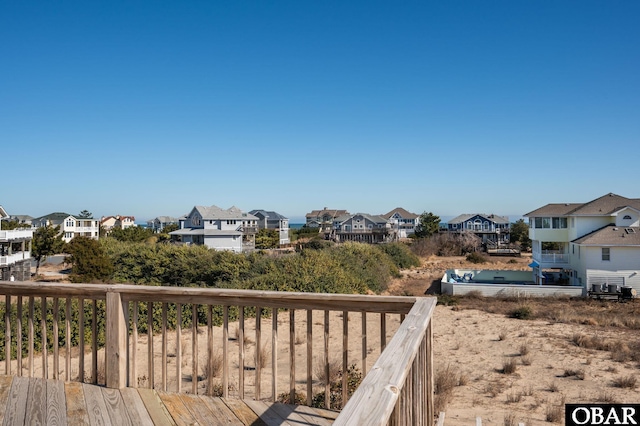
{"x":28,"y":401}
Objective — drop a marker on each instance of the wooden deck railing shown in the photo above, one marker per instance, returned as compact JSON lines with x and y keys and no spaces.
{"x":99,"y":334}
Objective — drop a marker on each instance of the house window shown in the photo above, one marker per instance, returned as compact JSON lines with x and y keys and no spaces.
{"x":626,"y":217}
{"x":559,"y":222}
{"x":606,"y":254}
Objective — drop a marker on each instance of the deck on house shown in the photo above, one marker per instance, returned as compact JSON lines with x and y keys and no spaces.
{"x":27,"y":401}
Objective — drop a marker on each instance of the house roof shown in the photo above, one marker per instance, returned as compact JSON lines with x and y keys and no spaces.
{"x":372,"y":218}
{"x":215,"y":212}
{"x":21,"y":217}
{"x":611,"y":235}
{"x":60,"y":216}
{"x":205,"y":232}
{"x":3,"y":213}
{"x":402,"y":212}
{"x":492,"y":217}
{"x":602,"y":206}
{"x":331,"y":212}
{"x":268,"y":214}
{"x":165,"y":219}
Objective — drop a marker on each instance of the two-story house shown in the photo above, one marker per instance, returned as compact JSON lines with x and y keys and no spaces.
{"x":405,"y":222}
{"x":218,"y":229}
{"x":160,"y":222}
{"x":15,"y":252}
{"x":324,"y":218}
{"x":597,"y":242}
{"x":490,"y":228}
{"x":121,"y":222}
{"x":275,"y":221}
{"x":70,"y":226}
{"x":362,"y":227}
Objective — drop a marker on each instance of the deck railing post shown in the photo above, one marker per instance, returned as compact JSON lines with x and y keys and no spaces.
{"x":116,"y":344}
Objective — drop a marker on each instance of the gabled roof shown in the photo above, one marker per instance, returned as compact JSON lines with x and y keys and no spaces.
{"x":602,"y":206}
{"x":491,"y":217}
{"x":165,"y":219}
{"x":370,"y":217}
{"x":3,"y":213}
{"x":268,"y":214}
{"x":215,"y":212}
{"x":611,"y":235}
{"x":402,"y":212}
{"x":331,"y":212}
{"x":57,"y":216}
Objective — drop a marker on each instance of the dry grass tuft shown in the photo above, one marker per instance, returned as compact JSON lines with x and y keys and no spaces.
{"x":509,"y":366}
{"x":627,"y":382}
{"x":446,"y":379}
{"x":510,"y":419}
{"x":578,"y":374}
{"x":524,"y":348}
{"x":335,"y":367}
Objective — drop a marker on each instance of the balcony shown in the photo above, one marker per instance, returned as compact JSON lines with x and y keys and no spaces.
{"x":551,"y":257}
{"x":118,"y":352}
{"x":14,"y":258}
{"x":16,"y":234}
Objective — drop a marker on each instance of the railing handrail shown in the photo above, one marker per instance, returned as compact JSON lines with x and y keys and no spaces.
{"x":216,"y":296}
{"x":376,"y":398}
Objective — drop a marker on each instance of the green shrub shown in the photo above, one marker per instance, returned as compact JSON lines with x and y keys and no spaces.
{"x":354,"y":377}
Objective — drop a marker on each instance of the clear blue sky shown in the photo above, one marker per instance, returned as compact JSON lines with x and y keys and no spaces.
{"x":148,"y":108}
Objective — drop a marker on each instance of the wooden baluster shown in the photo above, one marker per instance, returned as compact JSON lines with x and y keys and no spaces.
{"x":7,"y":335}
{"x":364,"y":344}
{"x":309,"y":356}
{"x":274,"y":354}
{"x":292,"y":356}
{"x":94,"y":342}
{"x":127,"y":325}
{"x":383,"y":331}
{"x":179,"y":348}
{"x":194,"y":349}
{"x":67,"y":339}
{"x":209,"y":364}
{"x":430,"y":372}
{"x":150,"y":369}
{"x":345,"y":355}
{"x":258,"y":357}
{"x":19,"y":336}
{"x":31,"y":328}
{"x":56,"y":346}
{"x":43,"y":330}
{"x":241,"y":353}
{"x":81,"y":340}
{"x":327,"y":384}
{"x":225,"y":349}
{"x":134,"y":346}
{"x":164,"y":347}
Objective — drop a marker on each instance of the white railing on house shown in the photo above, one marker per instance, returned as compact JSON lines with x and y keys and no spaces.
{"x":16,"y":257}
{"x":16,"y":234}
{"x":398,"y":388}
{"x":551,"y":256}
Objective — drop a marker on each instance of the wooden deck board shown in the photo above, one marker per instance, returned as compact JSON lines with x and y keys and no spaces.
{"x":36,"y":402}
{"x":56,"y":411}
{"x":5,"y":387}
{"x":135,"y":407}
{"x":28,"y":401}
{"x":156,"y":409}
{"x":96,"y":406}
{"x":76,"y":404}
{"x":115,"y":407}
{"x":224,"y":413}
{"x":180,"y":413}
{"x":17,"y":402}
